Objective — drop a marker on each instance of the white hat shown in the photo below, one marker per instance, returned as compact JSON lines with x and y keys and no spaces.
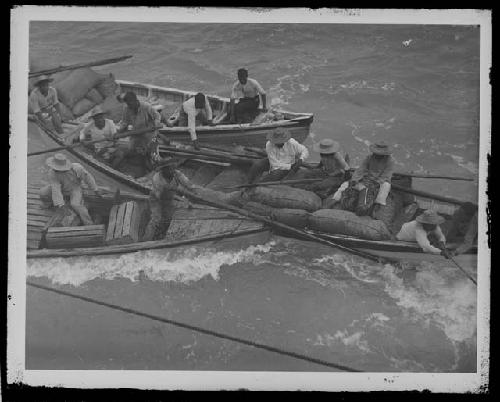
{"x":59,"y":162}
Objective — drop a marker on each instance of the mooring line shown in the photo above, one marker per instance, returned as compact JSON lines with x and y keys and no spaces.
{"x":197,"y":329}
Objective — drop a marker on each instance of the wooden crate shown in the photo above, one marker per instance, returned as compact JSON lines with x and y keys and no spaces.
{"x":75,"y":236}
{"x":124,"y":223}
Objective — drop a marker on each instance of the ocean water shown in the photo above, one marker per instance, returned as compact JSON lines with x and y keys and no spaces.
{"x":416,"y":87}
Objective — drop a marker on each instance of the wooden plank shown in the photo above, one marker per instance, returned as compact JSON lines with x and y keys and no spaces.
{"x":80,"y":242}
{"x":119,"y":221}
{"x":60,"y":235}
{"x":135,"y":224}
{"x":40,"y":212}
{"x":32,"y":244}
{"x":34,"y":235}
{"x":76,"y":228}
{"x":37,"y":218}
{"x":112,"y":223}
{"x":35,"y":224}
{"x":127,"y":218}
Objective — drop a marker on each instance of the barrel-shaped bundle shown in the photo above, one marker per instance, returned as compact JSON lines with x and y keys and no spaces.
{"x":336,"y":221}
{"x":232,"y":198}
{"x":297,"y":218}
{"x":230,"y":177}
{"x":76,"y":85}
{"x":281,"y":196}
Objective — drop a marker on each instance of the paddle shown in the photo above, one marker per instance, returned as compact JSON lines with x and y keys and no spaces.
{"x":463,"y":270}
{"x":79,"y":65}
{"x":116,"y":137}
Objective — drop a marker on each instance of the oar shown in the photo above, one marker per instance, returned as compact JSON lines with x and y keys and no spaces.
{"x":225,"y":158}
{"x":273,"y":183}
{"x":425,"y":194}
{"x":463,"y":270}
{"x":281,"y":226}
{"x":79,"y":65}
{"x":122,"y":135}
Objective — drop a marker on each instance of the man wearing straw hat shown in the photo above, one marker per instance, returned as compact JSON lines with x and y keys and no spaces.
{"x":99,"y":128}
{"x":424,"y":226}
{"x":66,"y":179}
{"x":284,"y":157}
{"x":44,"y":103}
{"x":166,"y":180}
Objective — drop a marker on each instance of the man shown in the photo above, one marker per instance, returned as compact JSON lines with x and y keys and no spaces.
{"x":66,"y":179}
{"x":424,"y":226}
{"x":99,"y":128}
{"x":332,"y":167}
{"x":196,"y":111}
{"x":137,"y":115}
{"x":284,"y":157}
{"x":44,"y":102}
{"x":165,"y":182}
{"x":374,"y":173}
{"x":247,"y":90}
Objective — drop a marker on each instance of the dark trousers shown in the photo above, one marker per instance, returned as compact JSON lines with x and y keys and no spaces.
{"x":246,"y":109}
{"x":262,"y":166}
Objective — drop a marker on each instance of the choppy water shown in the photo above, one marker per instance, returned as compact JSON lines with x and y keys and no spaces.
{"x":362,"y":83}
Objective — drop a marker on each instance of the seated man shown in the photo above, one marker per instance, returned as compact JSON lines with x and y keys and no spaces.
{"x":44,"y":102}
{"x":165,"y":181}
{"x":247,"y":90}
{"x":99,"y":128}
{"x":66,"y":179}
{"x":424,"y":226}
{"x":196,"y":111}
{"x":284,"y":157}
{"x":375,"y":173}
{"x":137,"y":115}
{"x":332,"y":167}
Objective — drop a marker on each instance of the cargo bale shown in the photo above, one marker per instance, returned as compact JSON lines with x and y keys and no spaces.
{"x":107,"y":86}
{"x":258,"y":208}
{"x":82,"y":106}
{"x":94,"y":96}
{"x":205,"y":174}
{"x":228,"y":178}
{"x":297,"y":218}
{"x":66,"y":113}
{"x":286,"y":197}
{"x":337,"y":221}
{"x":217,"y":196}
{"x":76,"y":85}
{"x":113,"y":108}
{"x":387,"y":213}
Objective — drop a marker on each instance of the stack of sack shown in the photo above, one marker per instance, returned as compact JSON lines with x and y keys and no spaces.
{"x":81,"y":89}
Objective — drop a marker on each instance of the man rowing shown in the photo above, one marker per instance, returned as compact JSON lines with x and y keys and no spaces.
{"x":196,"y":111}
{"x":285,"y":156}
{"x":66,"y":179}
{"x":166,"y":180}
{"x":137,"y":115}
{"x":248,"y":92}
{"x":424,"y":230}
{"x":44,"y":102}
{"x":99,"y":128}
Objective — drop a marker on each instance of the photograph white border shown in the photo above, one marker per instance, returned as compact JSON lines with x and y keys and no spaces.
{"x":212,"y":380}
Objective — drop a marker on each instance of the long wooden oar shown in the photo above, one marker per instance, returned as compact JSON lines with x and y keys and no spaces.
{"x":79,"y":65}
{"x":218,"y":156}
{"x":123,"y":135}
{"x":273,"y":183}
{"x":463,"y":270}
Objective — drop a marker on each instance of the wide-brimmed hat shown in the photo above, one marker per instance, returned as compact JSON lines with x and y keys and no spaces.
{"x":430,"y":217}
{"x":279,"y":136}
{"x":58,"y":162}
{"x":96,"y":111}
{"x":38,"y":80}
{"x":380,"y":148}
{"x":326,"y":146}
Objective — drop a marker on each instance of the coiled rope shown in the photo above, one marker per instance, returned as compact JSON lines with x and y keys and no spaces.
{"x":197,"y":329}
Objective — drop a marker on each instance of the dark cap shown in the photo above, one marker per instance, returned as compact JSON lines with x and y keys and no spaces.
{"x":129,"y":97}
{"x":242,"y":71}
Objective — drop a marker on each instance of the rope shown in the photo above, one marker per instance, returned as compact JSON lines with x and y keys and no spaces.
{"x":197,"y":329}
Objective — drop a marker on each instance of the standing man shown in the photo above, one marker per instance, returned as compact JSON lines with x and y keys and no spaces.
{"x":44,"y":102}
{"x":66,"y":179}
{"x":247,"y":90}
{"x":165,"y":182}
{"x":284,"y":157}
{"x":137,"y":115}
{"x":99,"y":128}
{"x":196,"y":111}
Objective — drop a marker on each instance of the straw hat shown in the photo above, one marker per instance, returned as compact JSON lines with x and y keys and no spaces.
{"x":96,"y":111}
{"x":59,"y":162}
{"x":279,"y":136}
{"x":430,"y":217}
{"x":42,"y":78}
{"x":380,"y":148}
{"x":327,"y":146}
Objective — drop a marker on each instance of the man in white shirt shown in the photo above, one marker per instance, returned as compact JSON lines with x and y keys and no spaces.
{"x":284,"y":157}
{"x":196,"y":111}
{"x":44,"y":103}
{"x":247,"y":90}
{"x":99,"y":128}
{"x":419,"y":230}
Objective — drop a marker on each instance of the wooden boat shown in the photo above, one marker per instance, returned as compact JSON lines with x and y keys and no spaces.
{"x":248,"y":134}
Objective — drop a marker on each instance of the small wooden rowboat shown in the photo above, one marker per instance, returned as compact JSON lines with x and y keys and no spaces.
{"x":249,"y":134}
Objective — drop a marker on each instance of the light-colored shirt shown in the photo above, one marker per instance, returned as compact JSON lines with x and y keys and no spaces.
{"x":414,"y":231}
{"x":380,"y":170}
{"x":283,"y":158}
{"x":163,"y":189}
{"x":333,"y":164}
{"x":41,"y":103}
{"x":191,"y":111}
{"x":67,"y":181}
{"x":250,"y":90}
{"x":91,"y":132}
{"x":145,"y":117}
